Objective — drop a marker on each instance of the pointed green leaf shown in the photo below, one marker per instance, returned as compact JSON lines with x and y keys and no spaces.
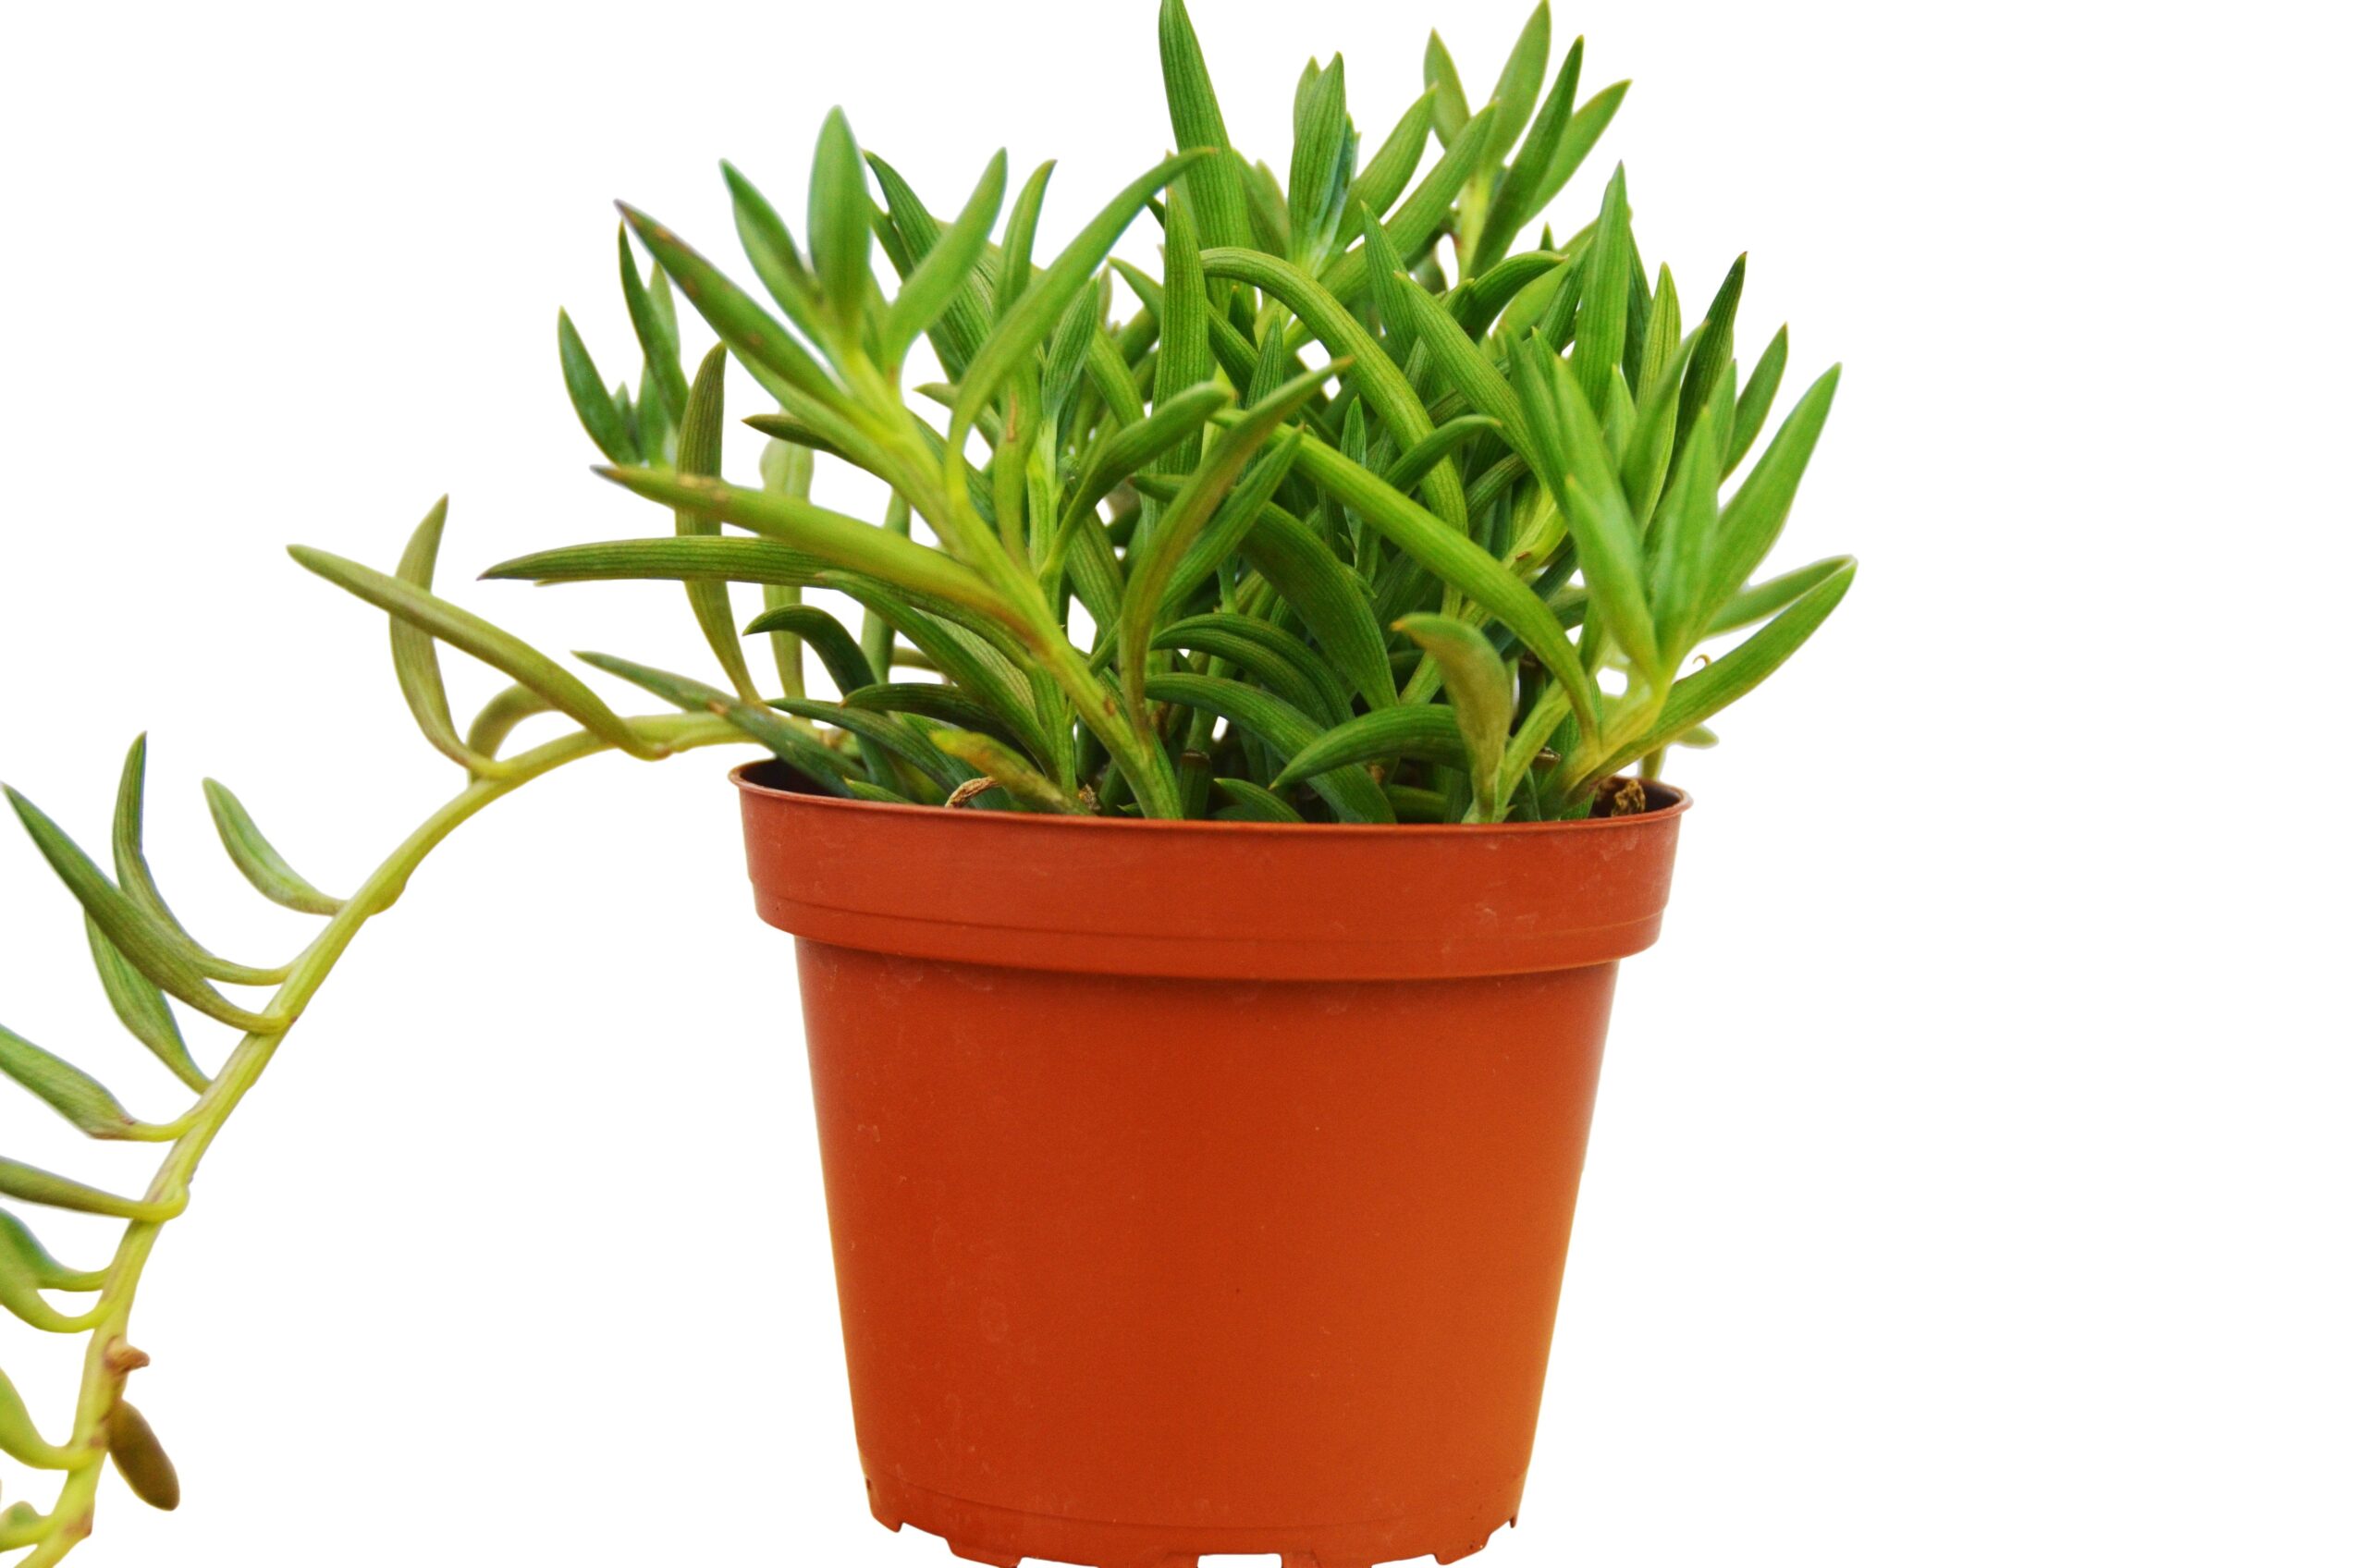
{"x":1319,"y":133}
{"x":1200,"y":123}
{"x":418,"y":671}
{"x":1513,"y":203}
{"x":129,"y":928}
{"x":507,"y":708}
{"x":755,"y":338}
{"x":1758,"y":397}
{"x":1516,"y":84}
{"x":1018,"y":777}
{"x":1421,"y":731}
{"x":139,"y":1006}
{"x":1698,"y":697}
{"x":1481,"y":693}
{"x":1450,"y":107}
{"x":258,"y":862}
{"x":826,"y":767}
{"x":1749,"y":526}
{"x":481,"y":639}
{"x":1022,"y":327}
{"x":1350,"y":792}
{"x":590,"y":396}
{"x":1254,"y":802}
{"x":1603,"y":313}
{"x":64,"y":1087}
{"x":1391,"y":167}
{"x":1714,"y":350}
{"x":31,"y":1184}
{"x":1280,"y":661}
{"x":1446,"y":555}
{"x":1583,"y":128}
{"x":22,"y":1252}
{"x":1147,"y":582}
{"x":838,"y":222}
{"x":833,"y":536}
{"x":661,"y":343}
{"x":946,"y":267}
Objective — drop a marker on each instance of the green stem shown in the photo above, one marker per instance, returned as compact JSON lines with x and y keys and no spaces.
{"x":104,"y":1368}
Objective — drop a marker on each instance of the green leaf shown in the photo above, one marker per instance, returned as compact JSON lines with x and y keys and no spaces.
{"x":838,"y":221}
{"x":1749,"y":526}
{"x":843,"y":656}
{"x":1758,"y":397}
{"x":1018,"y":262}
{"x":729,"y":559}
{"x":260,"y":864}
{"x":20,"y":1439}
{"x":1578,"y":472}
{"x":1423,"y":731}
{"x":129,"y":929}
{"x":1255,"y":802}
{"x":892,"y":733}
{"x":1714,"y":350}
{"x":1698,"y":697}
{"x":1024,"y":326}
{"x":701,"y":452}
{"x":21,"y":1253}
{"x":1349,"y":791}
{"x":1393,"y":163}
{"x":1234,"y":519}
{"x":946,"y":267}
{"x":1583,"y":128}
{"x":507,"y":708}
{"x":980,"y":671}
{"x":1327,"y":597}
{"x":661,"y":343}
{"x":1147,"y":582}
{"x":1121,"y":453}
{"x":481,"y":639}
{"x":1320,"y":134}
{"x":140,"y":1008}
{"x":590,"y":396}
{"x":1467,"y":367}
{"x":1280,"y":661}
{"x":64,"y":1087}
{"x":1451,"y":107}
{"x":1373,"y":376}
{"x":944,"y":703}
{"x":1185,"y":362}
{"x":31,"y":1184}
{"x":826,"y":767}
{"x":138,"y":884}
{"x":1413,"y":226}
{"x":774,"y":255}
{"x":1603,"y":313}
{"x":1760,"y":600}
{"x":832,"y":536}
{"x":1511,"y":205}
{"x":1516,"y":84}
{"x":1030,"y":788}
{"x":1446,"y":555}
{"x":1481,"y":692}
{"x":1199,"y":125}
{"x":755,"y":338}
{"x":418,"y":671}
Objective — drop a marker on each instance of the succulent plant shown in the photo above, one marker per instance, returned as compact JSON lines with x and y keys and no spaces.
{"x":1363,"y":514}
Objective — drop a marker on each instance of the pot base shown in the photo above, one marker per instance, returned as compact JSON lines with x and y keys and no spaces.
{"x":980,"y":1533}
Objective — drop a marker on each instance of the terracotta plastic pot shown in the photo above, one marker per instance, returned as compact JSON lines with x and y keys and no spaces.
{"x":1199,"y":1187}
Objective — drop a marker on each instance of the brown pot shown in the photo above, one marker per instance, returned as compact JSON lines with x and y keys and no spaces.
{"x":1199,"y":1187}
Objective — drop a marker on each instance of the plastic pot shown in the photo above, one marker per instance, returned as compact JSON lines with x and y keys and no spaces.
{"x":1199,"y":1187}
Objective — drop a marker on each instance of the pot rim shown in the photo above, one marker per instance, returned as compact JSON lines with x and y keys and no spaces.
{"x":743,"y":778}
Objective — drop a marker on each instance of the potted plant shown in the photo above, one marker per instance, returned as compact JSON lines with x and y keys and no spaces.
{"x":1210,"y":865}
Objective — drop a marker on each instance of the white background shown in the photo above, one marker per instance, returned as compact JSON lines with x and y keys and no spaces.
{"x":1977,"y":1174}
